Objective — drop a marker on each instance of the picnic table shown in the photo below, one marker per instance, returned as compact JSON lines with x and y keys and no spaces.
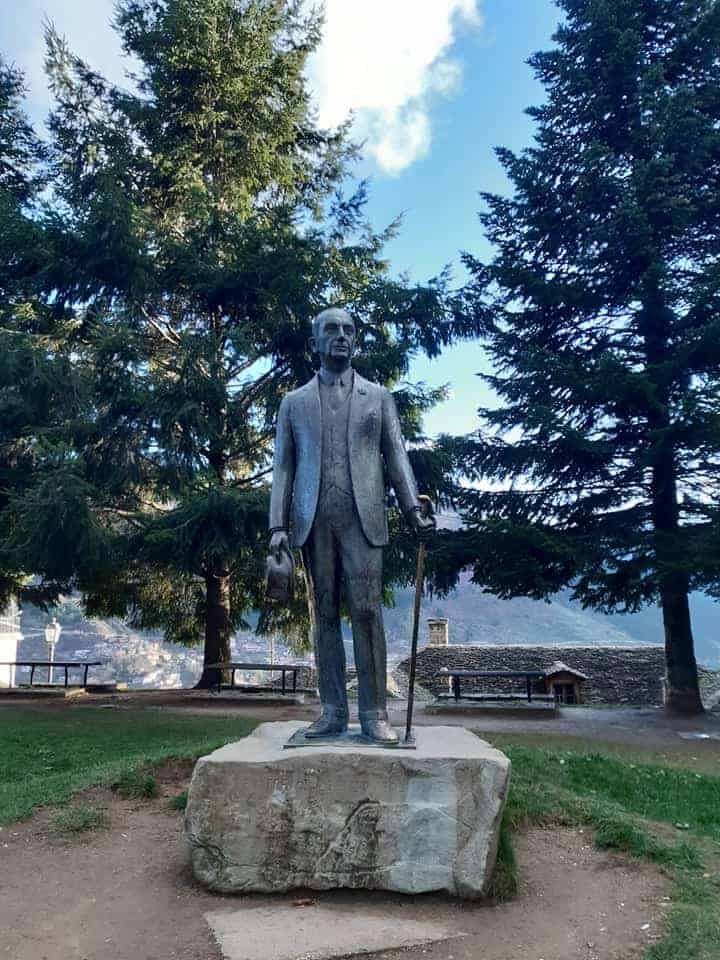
{"x":457,"y":676}
{"x":65,"y":665}
{"x":283,"y":668}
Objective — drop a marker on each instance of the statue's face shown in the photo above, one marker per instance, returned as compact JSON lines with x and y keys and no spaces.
{"x":334,"y":337}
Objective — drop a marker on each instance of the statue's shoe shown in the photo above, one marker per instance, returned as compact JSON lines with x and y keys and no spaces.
{"x":379,"y":731}
{"x":327,"y":725}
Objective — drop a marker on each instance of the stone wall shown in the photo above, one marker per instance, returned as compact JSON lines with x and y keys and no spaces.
{"x":306,"y":679}
{"x":629,"y":675}
{"x":620,"y":675}
{"x":397,"y":683}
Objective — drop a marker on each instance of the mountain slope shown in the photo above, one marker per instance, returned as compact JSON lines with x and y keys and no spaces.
{"x":475,"y":618}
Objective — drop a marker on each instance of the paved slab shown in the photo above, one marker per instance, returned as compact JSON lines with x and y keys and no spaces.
{"x":316,"y":933}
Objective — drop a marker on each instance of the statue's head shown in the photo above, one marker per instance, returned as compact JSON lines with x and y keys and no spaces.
{"x":333,"y":336}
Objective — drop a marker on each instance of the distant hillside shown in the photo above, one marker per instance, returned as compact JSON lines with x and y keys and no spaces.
{"x":138,"y":658}
{"x":485,"y":613}
{"x":646,"y":626}
{"x":475,"y":618}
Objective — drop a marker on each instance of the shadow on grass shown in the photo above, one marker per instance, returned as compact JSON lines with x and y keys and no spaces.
{"x":504,"y":883}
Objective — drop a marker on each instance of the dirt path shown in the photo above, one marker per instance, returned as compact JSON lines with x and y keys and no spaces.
{"x":125,"y":893}
{"x":574,"y":903}
{"x":121,"y":893}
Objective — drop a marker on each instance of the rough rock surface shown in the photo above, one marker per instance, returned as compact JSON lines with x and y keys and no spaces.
{"x":263,"y":819}
{"x":618,"y":675}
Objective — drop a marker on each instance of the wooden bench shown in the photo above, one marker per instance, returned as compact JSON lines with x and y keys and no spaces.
{"x":283,"y":668}
{"x":457,"y":676}
{"x":50,"y":665}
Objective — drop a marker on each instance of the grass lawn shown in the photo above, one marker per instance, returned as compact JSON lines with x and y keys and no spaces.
{"x":703,"y":756}
{"x":49,"y":755}
{"x":658,"y":811}
{"x":664,"y":814}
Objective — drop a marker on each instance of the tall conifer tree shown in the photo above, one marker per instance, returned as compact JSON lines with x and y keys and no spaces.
{"x":601,"y":311}
{"x":40,"y":392}
{"x":204,"y":229}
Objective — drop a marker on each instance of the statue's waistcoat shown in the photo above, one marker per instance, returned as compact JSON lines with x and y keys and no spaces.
{"x":335,"y":502}
{"x":370,"y":433}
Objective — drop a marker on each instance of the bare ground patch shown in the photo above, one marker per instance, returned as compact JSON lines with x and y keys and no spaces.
{"x":125,"y":893}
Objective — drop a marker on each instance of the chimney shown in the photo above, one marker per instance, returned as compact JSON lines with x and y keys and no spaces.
{"x":438,"y":632}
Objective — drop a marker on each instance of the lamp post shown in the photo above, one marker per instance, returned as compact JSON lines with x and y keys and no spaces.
{"x":52,"y":635}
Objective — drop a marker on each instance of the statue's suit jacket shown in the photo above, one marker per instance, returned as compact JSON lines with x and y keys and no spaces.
{"x":373,"y":435}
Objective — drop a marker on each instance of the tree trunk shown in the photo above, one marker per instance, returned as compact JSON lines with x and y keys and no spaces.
{"x":217,"y":629}
{"x":683,"y":693}
{"x":682,"y":688}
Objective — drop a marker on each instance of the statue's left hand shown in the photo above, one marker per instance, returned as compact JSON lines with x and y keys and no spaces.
{"x":423,"y":519}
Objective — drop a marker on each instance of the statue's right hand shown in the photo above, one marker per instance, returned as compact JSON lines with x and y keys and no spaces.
{"x":279,"y":544}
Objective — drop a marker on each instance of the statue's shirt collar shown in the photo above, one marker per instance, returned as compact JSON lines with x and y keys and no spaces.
{"x":330,"y":379}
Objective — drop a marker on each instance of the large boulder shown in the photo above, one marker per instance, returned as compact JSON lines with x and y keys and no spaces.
{"x":261,"y":818}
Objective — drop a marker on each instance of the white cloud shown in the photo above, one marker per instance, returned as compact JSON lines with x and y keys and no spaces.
{"x":384,"y":61}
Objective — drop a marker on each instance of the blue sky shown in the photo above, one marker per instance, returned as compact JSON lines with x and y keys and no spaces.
{"x":439,"y":193}
{"x":434,"y":85}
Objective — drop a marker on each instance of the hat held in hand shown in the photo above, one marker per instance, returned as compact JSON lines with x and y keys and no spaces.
{"x":280,"y":576}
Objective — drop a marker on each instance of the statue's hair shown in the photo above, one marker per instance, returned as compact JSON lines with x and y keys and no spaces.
{"x":316,"y":321}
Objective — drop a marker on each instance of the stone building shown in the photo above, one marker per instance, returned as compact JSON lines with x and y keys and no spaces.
{"x":564,"y":682}
{"x":612,"y":675}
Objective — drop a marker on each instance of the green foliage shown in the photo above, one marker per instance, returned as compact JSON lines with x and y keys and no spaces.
{"x":49,"y":756}
{"x":136,"y":785}
{"x":53,"y":529}
{"x":20,"y":148}
{"x":40,"y":388}
{"x":598,"y":468}
{"x":178,"y":802}
{"x":79,"y":818}
{"x":229,"y":74}
{"x":601,"y":325}
{"x":197,"y":225}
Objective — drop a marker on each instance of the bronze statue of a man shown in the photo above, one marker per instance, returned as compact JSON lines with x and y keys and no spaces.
{"x":328,"y":499}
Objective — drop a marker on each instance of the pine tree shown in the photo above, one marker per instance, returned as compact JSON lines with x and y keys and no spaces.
{"x":40,"y":391}
{"x":203,"y":227}
{"x":601,"y":318}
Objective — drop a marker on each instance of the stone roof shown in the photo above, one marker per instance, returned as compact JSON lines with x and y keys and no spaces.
{"x":560,"y":667}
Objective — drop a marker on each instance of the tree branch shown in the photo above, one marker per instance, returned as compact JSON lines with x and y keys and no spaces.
{"x":165,"y":333}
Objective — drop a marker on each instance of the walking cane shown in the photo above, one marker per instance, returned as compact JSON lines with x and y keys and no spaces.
{"x":427,"y":509}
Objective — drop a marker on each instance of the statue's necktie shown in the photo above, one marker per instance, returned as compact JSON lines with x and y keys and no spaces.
{"x":337,"y":395}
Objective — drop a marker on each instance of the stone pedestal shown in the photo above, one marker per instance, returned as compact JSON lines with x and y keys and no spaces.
{"x":264,"y":819}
